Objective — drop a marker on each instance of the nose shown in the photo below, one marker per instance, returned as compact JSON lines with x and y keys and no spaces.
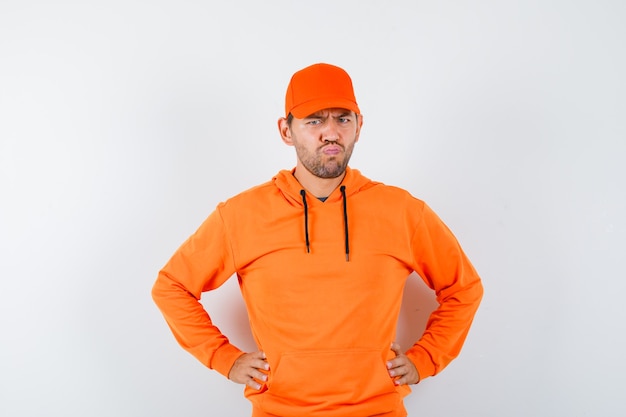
{"x":330,"y":132}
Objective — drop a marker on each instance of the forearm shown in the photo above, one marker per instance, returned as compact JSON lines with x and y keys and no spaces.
{"x":191,"y":325}
{"x":446,"y":330}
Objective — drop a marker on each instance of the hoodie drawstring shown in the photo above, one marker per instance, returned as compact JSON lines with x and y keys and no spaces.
{"x":306,"y":221}
{"x":345,"y":221}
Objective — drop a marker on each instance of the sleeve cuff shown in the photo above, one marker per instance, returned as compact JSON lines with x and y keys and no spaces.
{"x":422,"y":361}
{"x":224,"y":358}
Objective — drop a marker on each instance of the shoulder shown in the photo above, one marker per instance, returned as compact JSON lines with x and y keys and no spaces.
{"x":250,"y":200}
{"x":393,"y":195}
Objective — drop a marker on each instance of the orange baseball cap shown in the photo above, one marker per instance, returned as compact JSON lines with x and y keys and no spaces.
{"x":318,"y":87}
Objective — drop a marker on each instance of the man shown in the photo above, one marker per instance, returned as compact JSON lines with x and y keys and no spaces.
{"x":322,"y":255}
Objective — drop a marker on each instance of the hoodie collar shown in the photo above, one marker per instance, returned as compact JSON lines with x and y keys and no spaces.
{"x":290,"y":187}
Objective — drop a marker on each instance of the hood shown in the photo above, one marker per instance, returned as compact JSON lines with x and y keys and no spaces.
{"x":289,"y":186}
{"x":352,"y":183}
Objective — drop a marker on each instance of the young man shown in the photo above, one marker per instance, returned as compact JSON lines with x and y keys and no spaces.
{"x":322,"y":255}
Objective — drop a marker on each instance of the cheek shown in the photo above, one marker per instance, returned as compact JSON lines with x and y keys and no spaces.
{"x":350,"y":131}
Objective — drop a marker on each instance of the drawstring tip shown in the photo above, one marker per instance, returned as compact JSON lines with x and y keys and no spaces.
{"x":347,"y":257}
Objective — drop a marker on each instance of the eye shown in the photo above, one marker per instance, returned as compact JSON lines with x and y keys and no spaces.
{"x":344,"y":120}
{"x":314,"y":122}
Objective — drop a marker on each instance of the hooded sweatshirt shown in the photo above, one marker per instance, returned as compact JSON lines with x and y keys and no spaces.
{"x":322,"y":283}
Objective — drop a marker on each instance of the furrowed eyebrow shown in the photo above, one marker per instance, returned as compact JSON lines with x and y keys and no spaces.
{"x":347,"y":115}
{"x":323,"y":116}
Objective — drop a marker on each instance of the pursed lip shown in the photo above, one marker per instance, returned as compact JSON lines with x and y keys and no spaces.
{"x":332,"y":149}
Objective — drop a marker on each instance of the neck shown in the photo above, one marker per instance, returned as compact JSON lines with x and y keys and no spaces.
{"x":319,"y":187}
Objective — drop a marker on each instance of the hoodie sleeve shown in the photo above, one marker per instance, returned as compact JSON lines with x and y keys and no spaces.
{"x":442,"y":264}
{"x":202,"y":263}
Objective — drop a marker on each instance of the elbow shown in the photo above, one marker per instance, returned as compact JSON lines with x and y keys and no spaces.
{"x":161,"y":288}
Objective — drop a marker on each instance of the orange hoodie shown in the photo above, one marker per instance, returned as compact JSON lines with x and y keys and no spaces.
{"x":323,"y":283}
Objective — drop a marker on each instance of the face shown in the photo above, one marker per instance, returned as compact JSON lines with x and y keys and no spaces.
{"x":323,"y":140}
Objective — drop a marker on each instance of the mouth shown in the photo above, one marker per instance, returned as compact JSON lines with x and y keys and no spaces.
{"x":332,"y":149}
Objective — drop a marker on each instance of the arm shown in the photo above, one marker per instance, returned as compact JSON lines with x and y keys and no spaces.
{"x":202,"y":263}
{"x":440,"y":261}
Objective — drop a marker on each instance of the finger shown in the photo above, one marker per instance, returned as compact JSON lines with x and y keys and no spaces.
{"x":253,"y":360}
{"x":253,"y":384}
{"x":261,"y":361}
{"x":398,"y":370}
{"x":258,"y":375}
{"x":411,"y":377}
{"x":401,"y":375}
{"x":259,"y":364}
{"x":400,"y":381}
{"x":397,"y":362}
{"x":396,"y":349}
{"x":257,"y":355}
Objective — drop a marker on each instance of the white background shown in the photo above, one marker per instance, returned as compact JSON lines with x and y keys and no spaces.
{"x":123,"y":124}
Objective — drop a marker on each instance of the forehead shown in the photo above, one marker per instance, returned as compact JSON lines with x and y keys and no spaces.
{"x":334,"y":112}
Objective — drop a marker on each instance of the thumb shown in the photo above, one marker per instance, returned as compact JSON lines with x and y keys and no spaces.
{"x":396,"y":349}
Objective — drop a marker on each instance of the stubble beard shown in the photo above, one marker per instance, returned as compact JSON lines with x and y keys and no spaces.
{"x":333,"y":167}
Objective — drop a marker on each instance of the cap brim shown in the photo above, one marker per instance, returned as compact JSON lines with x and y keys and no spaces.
{"x":312,"y":106}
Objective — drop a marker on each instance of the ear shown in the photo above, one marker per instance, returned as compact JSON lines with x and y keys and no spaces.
{"x":285,"y":131}
{"x":359,"y":124}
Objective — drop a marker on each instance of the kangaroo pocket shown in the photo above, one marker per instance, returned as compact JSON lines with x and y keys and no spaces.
{"x":345,"y":382}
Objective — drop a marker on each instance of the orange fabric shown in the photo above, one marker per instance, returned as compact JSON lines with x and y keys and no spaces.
{"x":317,"y":87}
{"x":325,"y":324}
